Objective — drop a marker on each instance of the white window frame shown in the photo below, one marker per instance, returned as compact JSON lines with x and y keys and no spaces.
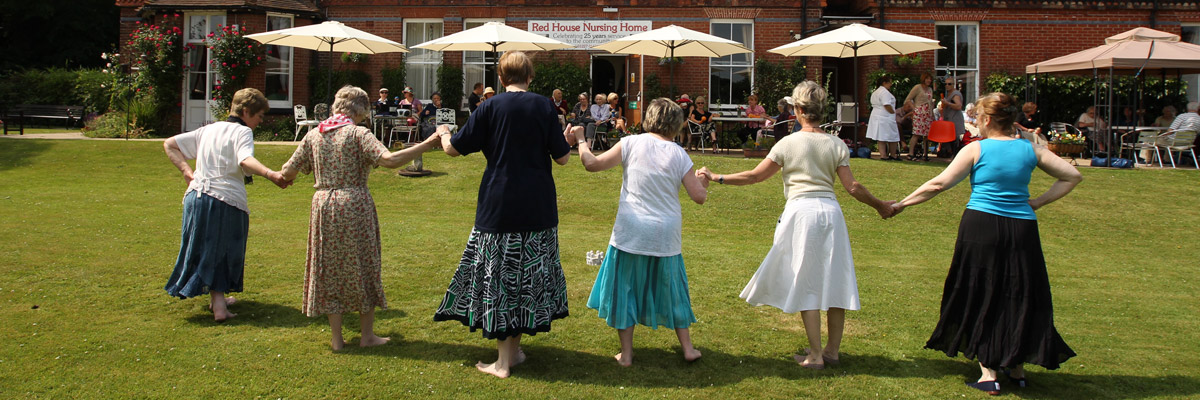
{"x":408,"y":74}
{"x":954,"y":71}
{"x":210,"y":76}
{"x":291,"y":67}
{"x":750,"y":57}
{"x":467,"y":83}
{"x":1193,"y":80}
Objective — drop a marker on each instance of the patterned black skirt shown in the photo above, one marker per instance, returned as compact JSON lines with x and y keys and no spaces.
{"x":507,"y":284}
{"x":996,"y":302}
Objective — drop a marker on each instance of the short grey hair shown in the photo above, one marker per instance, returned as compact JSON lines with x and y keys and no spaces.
{"x":352,"y":101}
{"x":1193,"y":106}
{"x":664,"y":117}
{"x":808,"y":98}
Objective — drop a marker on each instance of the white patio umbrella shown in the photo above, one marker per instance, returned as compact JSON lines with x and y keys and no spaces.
{"x":856,"y":40}
{"x":329,"y":36}
{"x":674,"y":41}
{"x":493,"y":37}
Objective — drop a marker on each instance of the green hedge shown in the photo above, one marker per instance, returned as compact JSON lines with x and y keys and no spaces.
{"x":317,"y":78}
{"x":450,"y":86}
{"x":1062,"y":98}
{"x":774,"y":81}
{"x":54,"y":86}
{"x":572,"y":79}
{"x":393,"y":79}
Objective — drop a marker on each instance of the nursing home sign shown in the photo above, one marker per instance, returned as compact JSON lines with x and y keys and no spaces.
{"x":585,"y":34}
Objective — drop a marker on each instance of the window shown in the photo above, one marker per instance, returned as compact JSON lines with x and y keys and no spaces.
{"x":421,"y":65}
{"x":1191,"y":34}
{"x":730,"y":77}
{"x":960,"y":57}
{"x":478,"y":66}
{"x":279,"y":65}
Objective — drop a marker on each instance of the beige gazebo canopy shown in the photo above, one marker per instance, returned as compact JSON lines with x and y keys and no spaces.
{"x":1133,"y":50}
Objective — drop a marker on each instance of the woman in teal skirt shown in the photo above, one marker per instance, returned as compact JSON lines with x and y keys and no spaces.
{"x":642,"y":280}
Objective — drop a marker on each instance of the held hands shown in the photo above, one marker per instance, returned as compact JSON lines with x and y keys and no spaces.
{"x":887,"y":209}
{"x":896,"y":207}
{"x":573,"y":134}
{"x":278,"y":179}
{"x":705,"y":175}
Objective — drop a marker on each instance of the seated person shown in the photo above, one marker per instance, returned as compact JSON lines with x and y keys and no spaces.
{"x":488,"y":93}
{"x":753,"y":110}
{"x":618,"y":112}
{"x":779,"y":123}
{"x":383,"y":106}
{"x":1167,"y":117}
{"x":410,"y":100}
{"x":581,"y":114}
{"x":685,"y":103}
{"x":602,"y":115}
{"x":428,"y":116}
{"x":1028,"y":124}
{"x":702,"y":117}
{"x":1091,"y":124}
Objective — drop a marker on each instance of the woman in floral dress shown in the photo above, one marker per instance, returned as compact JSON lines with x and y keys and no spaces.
{"x":922,"y":97}
{"x":342,"y":273}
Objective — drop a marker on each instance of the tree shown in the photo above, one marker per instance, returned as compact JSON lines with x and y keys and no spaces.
{"x":57,"y":33}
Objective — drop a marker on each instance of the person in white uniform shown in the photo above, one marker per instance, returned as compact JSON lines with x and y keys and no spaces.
{"x":882,"y":127}
{"x":809,"y":267}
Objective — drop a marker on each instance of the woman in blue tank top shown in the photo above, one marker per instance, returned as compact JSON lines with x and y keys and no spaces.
{"x":996,"y":302}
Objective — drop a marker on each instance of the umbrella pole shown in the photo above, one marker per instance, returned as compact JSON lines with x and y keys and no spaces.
{"x":855,"y":116}
{"x":329,"y":77}
{"x":671,"y":65}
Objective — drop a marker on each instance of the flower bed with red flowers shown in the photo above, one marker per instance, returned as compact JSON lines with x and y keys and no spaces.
{"x":233,"y":56}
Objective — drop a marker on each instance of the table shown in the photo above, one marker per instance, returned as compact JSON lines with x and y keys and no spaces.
{"x":383,"y":124}
{"x":722,"y":120}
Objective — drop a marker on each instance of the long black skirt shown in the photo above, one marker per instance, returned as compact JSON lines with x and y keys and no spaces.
{"x":996,"y":302}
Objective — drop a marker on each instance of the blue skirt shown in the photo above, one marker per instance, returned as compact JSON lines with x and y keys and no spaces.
{"x":212,"y":250}
{"x":636,"y":289}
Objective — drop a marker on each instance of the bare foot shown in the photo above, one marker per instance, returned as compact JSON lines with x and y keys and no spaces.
{"x":370,"y":341}
{"x":229,"y":301}
{"x":807,"y":363}
{"x":624,"y":361}
{"x":829,"y":360}
{"x":492,"y":369}
{"x":222,"y":316}
{"x":337,"y":344}
{"x":691,"y":355}
{"x":519,"y":359}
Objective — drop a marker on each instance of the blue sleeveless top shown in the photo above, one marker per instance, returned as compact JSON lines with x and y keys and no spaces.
{"x":1000,"y":178}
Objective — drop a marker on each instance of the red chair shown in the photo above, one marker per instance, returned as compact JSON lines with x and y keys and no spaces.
{"x":941,"y":132}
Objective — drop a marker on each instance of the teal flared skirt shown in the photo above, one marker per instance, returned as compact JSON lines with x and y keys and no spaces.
{"x":636,"y":289}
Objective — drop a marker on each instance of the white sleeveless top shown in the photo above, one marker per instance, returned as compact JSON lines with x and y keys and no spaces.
{"x":649,"y":216}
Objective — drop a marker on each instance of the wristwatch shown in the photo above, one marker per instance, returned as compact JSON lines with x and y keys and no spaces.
{"x":721,"y":179}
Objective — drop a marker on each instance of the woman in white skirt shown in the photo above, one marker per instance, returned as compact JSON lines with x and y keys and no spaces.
{"x":809,"y":267}
{"x":882,"y":127}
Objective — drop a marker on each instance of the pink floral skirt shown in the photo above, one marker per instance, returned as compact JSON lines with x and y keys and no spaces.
{"x":922,"y":119}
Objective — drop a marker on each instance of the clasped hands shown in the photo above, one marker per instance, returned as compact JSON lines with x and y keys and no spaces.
{"x":573,"y":134}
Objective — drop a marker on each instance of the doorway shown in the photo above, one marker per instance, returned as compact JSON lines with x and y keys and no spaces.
{"x":606,"y":75}
{"x":200,"y":80}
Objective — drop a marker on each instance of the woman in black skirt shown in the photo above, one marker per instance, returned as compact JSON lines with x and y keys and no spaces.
{"x":996,"y":302}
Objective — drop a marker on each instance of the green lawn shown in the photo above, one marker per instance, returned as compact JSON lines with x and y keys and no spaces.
{"x":91,"y":229}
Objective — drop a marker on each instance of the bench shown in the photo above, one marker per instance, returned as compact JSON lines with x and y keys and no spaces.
{"x":16,"y":115}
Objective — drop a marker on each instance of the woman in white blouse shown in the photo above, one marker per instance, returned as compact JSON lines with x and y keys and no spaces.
{"x":216,"y":216}
{"x":809,"y":267}
{"x":642,"y":280}
{"x":882,"y":127}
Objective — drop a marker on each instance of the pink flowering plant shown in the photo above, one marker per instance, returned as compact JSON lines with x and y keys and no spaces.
{"x":154,"y":53}
{"x":233,"y":56}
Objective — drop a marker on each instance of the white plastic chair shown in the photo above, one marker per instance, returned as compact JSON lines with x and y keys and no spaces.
{"x":1182,"y":142}
{"x":302,"y":121}
{"x":1147,"y":139}
{"x":694,"y":130}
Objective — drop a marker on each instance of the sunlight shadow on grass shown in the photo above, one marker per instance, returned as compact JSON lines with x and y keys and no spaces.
{"x":20,"y":153}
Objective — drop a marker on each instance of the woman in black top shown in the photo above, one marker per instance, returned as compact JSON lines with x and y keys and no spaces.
{"x":509,"y":280}
{"x":700,"y":115}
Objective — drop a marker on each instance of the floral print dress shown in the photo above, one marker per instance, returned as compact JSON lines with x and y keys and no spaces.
{"x":342,"y":273}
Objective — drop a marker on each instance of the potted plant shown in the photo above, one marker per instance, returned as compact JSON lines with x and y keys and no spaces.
{"x":1064,"y":143}
{"x":759,"y":149}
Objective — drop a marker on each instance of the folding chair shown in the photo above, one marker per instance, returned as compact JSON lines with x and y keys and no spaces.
{"x":1147,"y":139}
{"x":695,"y":129}
{"x":302,"y":121}
{"x":1183,"y":141}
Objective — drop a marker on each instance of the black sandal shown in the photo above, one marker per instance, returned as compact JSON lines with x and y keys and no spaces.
{"x":1021,"y":382}
{"x":989,"y":387}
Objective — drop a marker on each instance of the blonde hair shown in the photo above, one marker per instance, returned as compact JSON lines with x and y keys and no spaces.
{"x":515,"y":68}
{"x":248,"y":100}
{"x":613,"y":96}
{"x":664,"y":117}
{"x":352,"y":101}
{"x":808,"y":98}
{"x":1000,"y":108}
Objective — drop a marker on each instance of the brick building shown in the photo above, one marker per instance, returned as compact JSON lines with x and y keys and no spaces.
{"x":981,"y":37}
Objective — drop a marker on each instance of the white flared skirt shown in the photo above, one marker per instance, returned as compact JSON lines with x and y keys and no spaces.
{"x":882,"y":126}
{"x":810,"y":266}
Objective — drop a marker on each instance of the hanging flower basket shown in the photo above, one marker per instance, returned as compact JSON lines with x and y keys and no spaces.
{"x":1063,"y":149}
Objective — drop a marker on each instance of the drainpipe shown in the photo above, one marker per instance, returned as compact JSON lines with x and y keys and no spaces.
{"x":1154,"y":15}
